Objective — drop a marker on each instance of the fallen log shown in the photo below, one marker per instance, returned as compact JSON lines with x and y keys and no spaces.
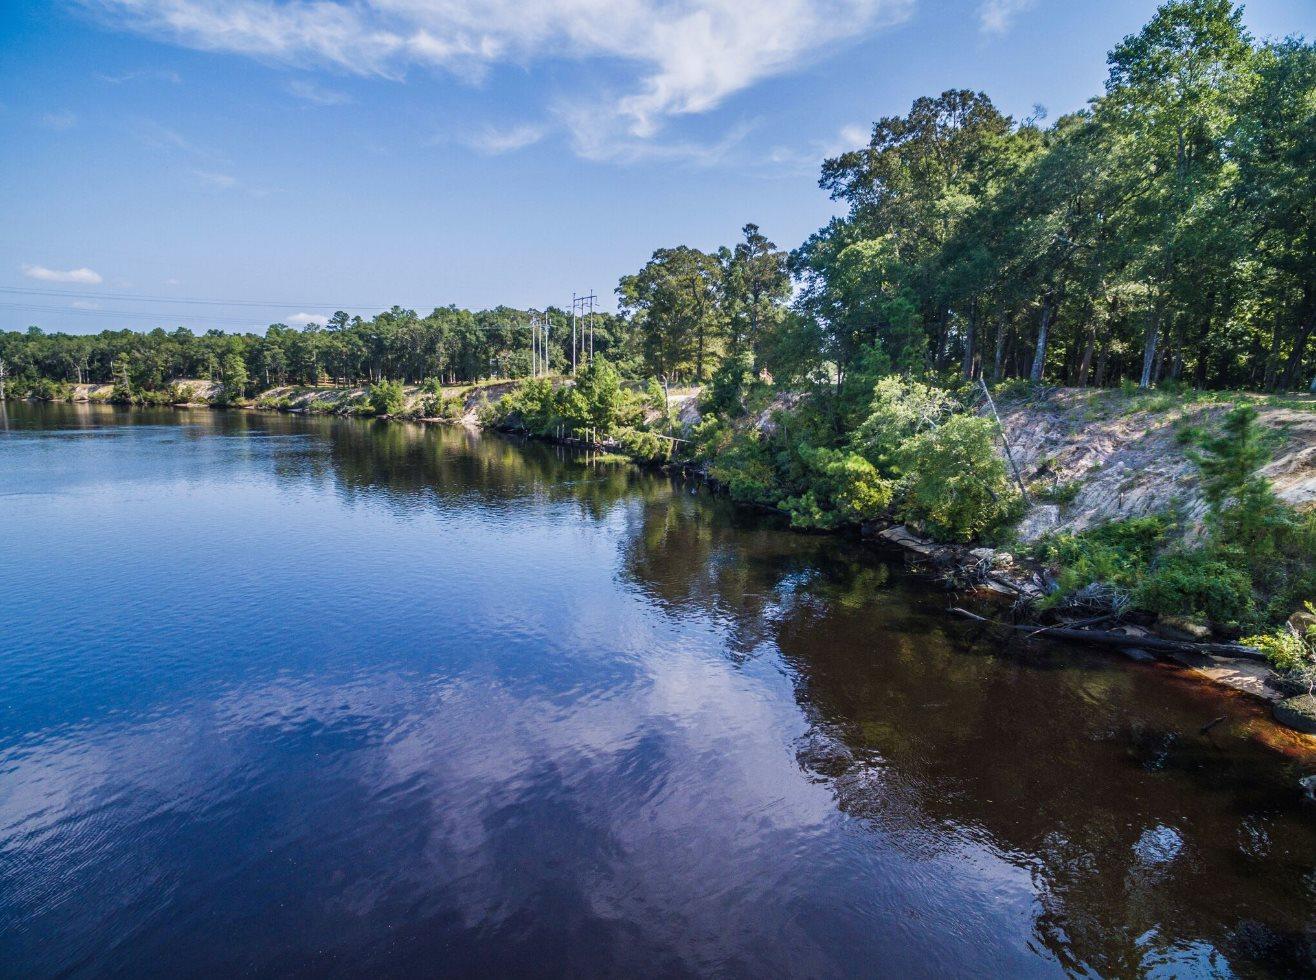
{"x":1114,"y":639}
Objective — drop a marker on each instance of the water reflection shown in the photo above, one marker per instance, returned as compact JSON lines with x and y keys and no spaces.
{"x":314,"y":695}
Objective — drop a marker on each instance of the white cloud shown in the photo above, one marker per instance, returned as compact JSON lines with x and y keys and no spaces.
{"x":159,"y":137}
{"x":131,"y":76}
{"x":83,"y":276}
{"x":215,"y":181}
{"x":303,"y":319}
{"x":997,"y":16}
{"x":810,"y":158}
{"x":86,"y":304}
{"x":59,"y":121}
{"x":171,"y":281}
{"x":681,"y":56}
{"x":308,"y":91}
{"x":492,"y":140}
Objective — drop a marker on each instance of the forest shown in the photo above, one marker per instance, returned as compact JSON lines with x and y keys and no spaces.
{"x":1166,"y":233}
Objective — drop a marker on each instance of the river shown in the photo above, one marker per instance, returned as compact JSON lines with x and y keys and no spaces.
{"x":289,"y":695}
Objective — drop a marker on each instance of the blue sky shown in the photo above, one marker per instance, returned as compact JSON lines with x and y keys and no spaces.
{"x":286,"y":159}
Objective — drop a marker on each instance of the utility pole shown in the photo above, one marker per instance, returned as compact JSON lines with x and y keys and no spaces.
{"x":545,"y":326}
{"x":591,"y":299}
{"x":582,"y":325}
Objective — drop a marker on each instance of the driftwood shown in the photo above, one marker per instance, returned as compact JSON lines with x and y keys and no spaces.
{"x":1114,"y":639}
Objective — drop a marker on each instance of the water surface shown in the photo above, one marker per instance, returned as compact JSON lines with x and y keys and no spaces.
{"x":286,"y":695}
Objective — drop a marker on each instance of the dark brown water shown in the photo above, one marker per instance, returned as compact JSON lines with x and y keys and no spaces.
{"x":308,"y":696}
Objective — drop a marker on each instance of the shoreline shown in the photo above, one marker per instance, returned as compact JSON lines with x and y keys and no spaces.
{"x":975,"y":571}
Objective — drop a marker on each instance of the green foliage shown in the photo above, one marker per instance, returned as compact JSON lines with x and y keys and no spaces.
{"x":43,"y":389}
{"x":1292,"y":647}
{"x":597,"y":403}
{"x":1199,"y":584}
{"x":725,"y":394}
{"x":956,"y":484}
{"x":1061,"y":493}
{"x":843,"y":488}
{"x":1116,"y":554}
{"x":596,"y":400}
{"x":644,"y":447}
{"x":387,"y":397}
{"x":900,"y":410}
{"x":742,"y":464}
{"x":1250,"y":526}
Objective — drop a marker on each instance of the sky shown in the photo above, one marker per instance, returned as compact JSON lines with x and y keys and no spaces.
{"x":232,"y":163}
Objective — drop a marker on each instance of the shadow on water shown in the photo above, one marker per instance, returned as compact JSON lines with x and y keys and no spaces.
{"x":1146,"y":845}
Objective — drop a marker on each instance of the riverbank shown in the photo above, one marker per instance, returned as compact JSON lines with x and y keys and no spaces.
{"x":1086,"y":457}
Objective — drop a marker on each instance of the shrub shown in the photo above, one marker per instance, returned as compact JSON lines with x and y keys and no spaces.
{"x":1198,"y":584}
{"x":726,"y":391}
{"x":956,"y":484}
{"x":1284,"y":648}
{"x":900,"y":410}
{"x":1116,"y":555}
{"x":844,"y":488}
{"x":745,"y":468}
{"x":387,"y":397}
{"x":47,"y":390}
{"x":643,"y":446}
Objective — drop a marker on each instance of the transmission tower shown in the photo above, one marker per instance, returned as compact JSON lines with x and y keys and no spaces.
{"x":582,"y":313}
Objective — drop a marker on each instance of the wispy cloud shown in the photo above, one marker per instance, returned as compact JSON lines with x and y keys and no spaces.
{"x":809,"y":157}
{"x":493,"y":141}
{"x":83,"y":276}
{"x":215,"y":181}
{"x":122,"y":78}
{"x":60,"y":121}
{"x":161,"y":137}
{"x":85,"y":304}
{"x":679,"y":56}
{"x":315,"y":94}
{"x":997,"y":16}
{"x":304,"y":319}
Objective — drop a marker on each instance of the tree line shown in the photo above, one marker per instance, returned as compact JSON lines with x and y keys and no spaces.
{"x":1166,"y":233}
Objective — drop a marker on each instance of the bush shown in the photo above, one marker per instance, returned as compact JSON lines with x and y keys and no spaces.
{"x":642,"y":446}
{"x":1117,"y":555}
{"x":956,"y":484}
{"x":844,"y":488}
{"x":387,"y":397}
{"x":744,"y":467}
{"x":726,"y":391}
{"x":1257,"y":531}
{"x":1198,"y":584}
{"x":900,"y":410}
{"x":46,"y":390}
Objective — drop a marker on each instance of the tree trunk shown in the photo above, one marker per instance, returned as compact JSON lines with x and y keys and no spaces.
{"x":999,"y":363}
{"x":1085,"y":365}
{"x":969,"y":339}
{"x":1272,"y":360}
{"x":1039,"y":356}
{"x":1149,"y":350}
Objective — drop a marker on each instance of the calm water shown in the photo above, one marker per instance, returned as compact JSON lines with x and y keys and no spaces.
{"x":309,"y":696}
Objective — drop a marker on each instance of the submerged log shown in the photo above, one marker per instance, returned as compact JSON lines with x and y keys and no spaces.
{"x":1118,"y":639}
